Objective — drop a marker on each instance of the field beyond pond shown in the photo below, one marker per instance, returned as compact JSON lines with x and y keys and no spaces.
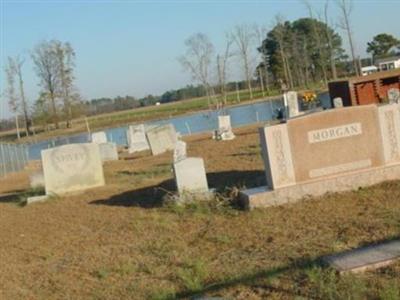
{"x":120,"y":242}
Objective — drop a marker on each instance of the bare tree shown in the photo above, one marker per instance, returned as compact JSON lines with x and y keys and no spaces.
{"x":260,"y":33}
{"x":47,"y":69}
{"x":10,"y":91}
{"x":317,"y":37}
{"x":18,"y":63}
{"x":328,"y":34}
{"x":280,"y":35}
{"x":222,"y":62}
{"x":65,"y":59}
{"x":346,"y":7}
{"x":243,"y":37}
{"x":197,"y":60}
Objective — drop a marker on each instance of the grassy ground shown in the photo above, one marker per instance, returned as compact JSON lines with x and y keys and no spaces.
{"x":121,"y":242}
{"x":139,"y":115}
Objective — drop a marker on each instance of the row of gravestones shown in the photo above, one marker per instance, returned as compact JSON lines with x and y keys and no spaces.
{"x":76,"y":167}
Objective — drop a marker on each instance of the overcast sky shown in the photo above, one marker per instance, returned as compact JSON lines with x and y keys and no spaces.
{"x":131,"y":47}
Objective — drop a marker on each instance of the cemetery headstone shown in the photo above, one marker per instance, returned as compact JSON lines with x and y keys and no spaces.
{"x":225,"y":128}
{"x":72,"y":167}
{"x":179,"y":151}
{"x":329,"y":151}
{"x":108,"y":151}
{"x":337,"y":102}
{"x":161,"y":138}
{"x":190,"y":176}
{"x":99,"y":137}
{"x":136,"y":136}
{"x":394,"y":95}
{"x":292,"y":104}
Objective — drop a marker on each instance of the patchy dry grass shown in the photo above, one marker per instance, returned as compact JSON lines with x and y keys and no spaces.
{"x":120,"y":242}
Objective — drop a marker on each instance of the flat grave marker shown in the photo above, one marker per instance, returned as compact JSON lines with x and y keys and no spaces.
{"x":366,"y":258}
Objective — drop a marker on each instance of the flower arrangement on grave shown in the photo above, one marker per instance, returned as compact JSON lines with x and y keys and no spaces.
{"x":309,"y":99}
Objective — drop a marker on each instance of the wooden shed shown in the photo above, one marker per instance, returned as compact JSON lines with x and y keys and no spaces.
{"x":367,"y":89}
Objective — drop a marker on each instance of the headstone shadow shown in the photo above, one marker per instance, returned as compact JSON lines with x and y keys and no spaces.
{"x":152,"y":196}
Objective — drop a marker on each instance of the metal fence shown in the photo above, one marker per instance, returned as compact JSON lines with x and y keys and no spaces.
{"x":13,"y":158}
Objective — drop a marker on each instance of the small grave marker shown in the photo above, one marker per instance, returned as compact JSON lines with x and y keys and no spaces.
{"x":99,"y":137}
{"x":179,"y":151}
{"x":136,"y":136}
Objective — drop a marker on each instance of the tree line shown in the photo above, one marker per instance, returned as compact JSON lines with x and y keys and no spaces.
{"x":290,"y":54}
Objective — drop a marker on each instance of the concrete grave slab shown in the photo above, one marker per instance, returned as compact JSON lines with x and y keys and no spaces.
{"x":161,"y":138}
{"x":99,"y":137}
{"x":37,"y":199}
{"x":362,"y":259}
{"x":72,"y":167}
{"x":108,"y":151}
{"x":137,"y":140}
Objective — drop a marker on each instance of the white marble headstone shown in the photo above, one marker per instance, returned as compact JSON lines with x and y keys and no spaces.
{"x":190,"y":175}
{"x":180,"y":151}
{"x":161,"y":138}
{"x":72,"y":168}
{"x":337,"y":102}
{"x":225,"y":128}
{"x":99,"y":137}
{"x":136,"y":136}
{"x":292,"y":104}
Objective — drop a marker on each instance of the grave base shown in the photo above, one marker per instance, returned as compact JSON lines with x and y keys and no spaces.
{"x":190,"y":197}
{"x":35,"y":199}
{"x":265,"y":197}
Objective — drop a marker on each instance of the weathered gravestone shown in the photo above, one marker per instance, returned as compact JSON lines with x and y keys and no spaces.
{"x":190,"y":176}
{"x":333,"y":150}
{"x":72,"y":168}
{"x":224,"y":128}
{"x":161,"y":138}
{"x":180,"y":151}
{"x":136,"y":136}
{"x":292,"y":104}
{"x":99,"y":137}
{"x":108,"y":151}
{"x":394,"y":95}
{"x":337,"y":102}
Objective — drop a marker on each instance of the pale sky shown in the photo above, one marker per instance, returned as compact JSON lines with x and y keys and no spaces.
{"x":131,"y":47}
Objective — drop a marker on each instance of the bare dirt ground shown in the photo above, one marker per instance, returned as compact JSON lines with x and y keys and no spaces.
{"x":120,"y":242}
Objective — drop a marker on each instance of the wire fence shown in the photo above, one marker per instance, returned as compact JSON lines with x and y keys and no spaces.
{"x":13,"y":158}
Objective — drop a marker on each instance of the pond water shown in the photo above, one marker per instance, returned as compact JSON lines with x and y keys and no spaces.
{"x":199,"y":122}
